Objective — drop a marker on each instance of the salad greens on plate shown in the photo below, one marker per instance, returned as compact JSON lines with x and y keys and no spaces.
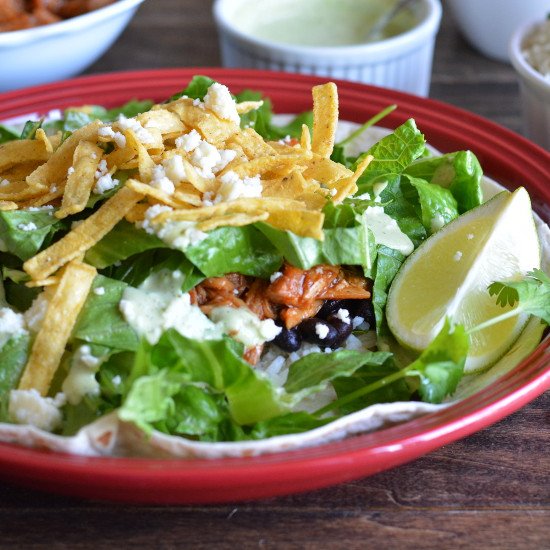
{"x":194,"y":269}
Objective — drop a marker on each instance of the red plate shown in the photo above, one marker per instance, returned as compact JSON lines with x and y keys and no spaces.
{"x":505,"y":156}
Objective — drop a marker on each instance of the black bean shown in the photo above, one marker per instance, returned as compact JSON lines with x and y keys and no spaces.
{"x":310,"y":328}
{"x":342,"y":328}
{"x":288,"y":339}
{"x":330,"y":307}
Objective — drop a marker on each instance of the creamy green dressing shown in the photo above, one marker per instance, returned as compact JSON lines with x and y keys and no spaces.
{"x":320,"y":22}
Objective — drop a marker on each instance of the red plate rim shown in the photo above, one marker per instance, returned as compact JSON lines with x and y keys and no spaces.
{"x":506,"y":156}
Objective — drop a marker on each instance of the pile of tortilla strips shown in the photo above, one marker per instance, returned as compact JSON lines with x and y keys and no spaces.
{"x":297,"y":179}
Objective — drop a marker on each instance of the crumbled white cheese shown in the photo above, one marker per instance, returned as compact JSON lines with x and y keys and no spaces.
{"x":343,"y":315}
{"x":386,"y":231}
{"x":189,"y":142}
{"x":218,"y":99}
{"x":321,"y":330}
{"x":160,"y":181}
{"x":81,"y":379}
{"x":120,"y":139}
{"x":133,"y":124}
{"x":102,"y":169}
{"x":29,"y":407}
{"x":4,"y":182}
{"x":35,"y":314}
{"x":99,"y":291}
{"x":232,"y":187}
{"x":458,"y":255}
{"x":53,"y":189}
{"x":150,"y":214}
{"x":70,"y":171}
{"x":275,"y":276}
{"x":105,"y":183}
{"x":12,"y":324}
{"x":106,"y":131}
{"x":470,"y":236}
{"x":174,"y":169}
{"x":31,"y":226}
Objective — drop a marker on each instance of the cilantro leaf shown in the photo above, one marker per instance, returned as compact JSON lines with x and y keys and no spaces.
{"x":532,"y":295}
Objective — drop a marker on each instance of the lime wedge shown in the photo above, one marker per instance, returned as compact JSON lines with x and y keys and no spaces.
{"x":448,"y":276}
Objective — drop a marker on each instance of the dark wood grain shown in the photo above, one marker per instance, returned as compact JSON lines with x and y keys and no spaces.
{"x":490,"y":490}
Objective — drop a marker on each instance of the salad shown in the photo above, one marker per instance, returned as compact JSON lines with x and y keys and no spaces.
{"x":192,"y":269}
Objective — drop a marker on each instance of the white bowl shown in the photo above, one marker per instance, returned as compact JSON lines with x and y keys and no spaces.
{"x":534,"y":90}
{"x":488,"y":24}
{"x":403,"y":62}
{"x":60,"y":50}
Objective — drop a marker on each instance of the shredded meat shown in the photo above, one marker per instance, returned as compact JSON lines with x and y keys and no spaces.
{"x":303,"y":291}
{"x":296,"y":295}
{"x":258,"y":302}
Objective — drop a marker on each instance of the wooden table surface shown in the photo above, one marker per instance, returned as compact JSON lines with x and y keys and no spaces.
{"x":490,"y":490}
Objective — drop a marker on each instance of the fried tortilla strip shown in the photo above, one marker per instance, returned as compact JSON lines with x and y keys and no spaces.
{"x":295,"y":186}
{"x":251,"y":143}
{"x":302,"y":222}
{"x":41,"y":136}
{"x":145,"y":163}
{"x":305,"y":138}
{"x":348,"y":186}
{"x":215,"y":130}
{"x":325,"y":118}
{"x":54,"y":170}
{"x":234,"y":220}
{"x":19,"y":191}
{"x":243,"y":206}
{"x":163,"y":120}
{"x":81,"y":181}
{"x":50,"y":342}
{"x":274,"y":166}
{"x":326,"y":171}
{"x":21,"y":151}
{"x":83,"y":236}
{"x":8,"y":205}
{"x":246,"y":106}
{"x":149,"y":191}
{"x":200,"y":183}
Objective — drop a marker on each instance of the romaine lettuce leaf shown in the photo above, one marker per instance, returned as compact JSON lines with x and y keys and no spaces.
{"x":437,"y":204}
{"x":459,"y":172}
{"x":392,"y":155}
{"x":13,"y":358}
{"x":235,"y":249}
{"x":100,"y":321}
{"x":25,"y":232}
{"x":123,"y":241}
{"x":7,"y":133}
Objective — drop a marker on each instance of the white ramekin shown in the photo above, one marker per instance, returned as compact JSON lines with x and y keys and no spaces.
{"x":534,"y":90}
{"x":60,"y":50}
{"x":403,"y":62}
{"x":488,"y":24}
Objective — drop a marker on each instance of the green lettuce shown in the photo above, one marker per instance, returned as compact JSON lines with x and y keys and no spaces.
{"x":25,"y":232}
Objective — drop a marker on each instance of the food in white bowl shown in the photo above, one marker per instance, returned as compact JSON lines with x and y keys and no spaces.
{"x":16,"y":15}
{"x":530,"y":56}
{"x":178,"y":283}
{"x":489,"y":24}
{"x":536,"y":48}
{"x":330,"y":38}
{"x":61,"y":49}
